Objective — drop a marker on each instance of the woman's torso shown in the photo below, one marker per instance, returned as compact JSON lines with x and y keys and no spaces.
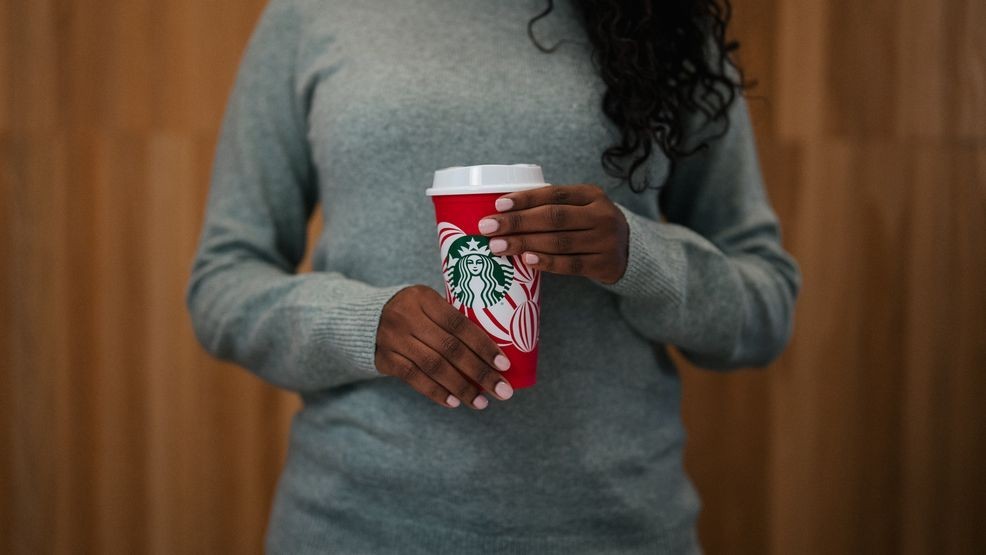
{"x":593,"y":451}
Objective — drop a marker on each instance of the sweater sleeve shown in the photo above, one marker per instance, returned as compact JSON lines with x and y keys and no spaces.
{"x":247,"y":303}
{"x":712,"y":279}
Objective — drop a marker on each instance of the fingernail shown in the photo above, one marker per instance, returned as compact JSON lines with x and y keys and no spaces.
{"x":480,"y":402}
{"x":504,"y":204}
{"x":530,"y":258}
{"x":452,"y":401}
{"x":501,"y":362}
{"x":487,"y":225}
{"x":498,"y":245}
{"x":504,"y":390}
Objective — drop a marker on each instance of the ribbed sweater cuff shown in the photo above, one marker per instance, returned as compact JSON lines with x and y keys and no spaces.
{"x":350,"y":328}
{"x":656,"y":264}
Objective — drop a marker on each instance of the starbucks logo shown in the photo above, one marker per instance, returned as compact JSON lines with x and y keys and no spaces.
{"x":499,"y":293}
{"x":475,"y":276}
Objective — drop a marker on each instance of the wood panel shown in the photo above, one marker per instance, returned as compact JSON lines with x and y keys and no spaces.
{"x":119,"y":435}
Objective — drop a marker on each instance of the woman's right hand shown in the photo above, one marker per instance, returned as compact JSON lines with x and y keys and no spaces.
{"x":432,"y":346}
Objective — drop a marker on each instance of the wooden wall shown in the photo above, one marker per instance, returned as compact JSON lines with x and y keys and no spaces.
{"x":119,"y":435}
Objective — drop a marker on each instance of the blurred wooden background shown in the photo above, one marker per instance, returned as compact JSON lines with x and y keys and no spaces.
{"x":119,"y":435}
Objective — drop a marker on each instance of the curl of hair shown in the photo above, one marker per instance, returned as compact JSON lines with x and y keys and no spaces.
{"x":662,"y":61}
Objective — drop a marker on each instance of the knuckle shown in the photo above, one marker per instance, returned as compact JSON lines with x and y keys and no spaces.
{"x":513,"y":221}
{"x":563,"y":242}
{"x":406,"y":371}
{"x":431,"y":364}
{"x":560,"y":195}
{"x":417,"y":289}
{"x":465,"y":391}
{"x":451,"y":345}
{"x":394,"y":318}
{"x":409,"y":298}
{"x":455,"y":321}
{"x":483,"y":375}
{"x":385,"y":332}
{"x":556,"y":216}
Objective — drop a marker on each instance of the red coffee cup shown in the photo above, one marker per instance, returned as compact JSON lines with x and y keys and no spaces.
{"x":501,"y":294}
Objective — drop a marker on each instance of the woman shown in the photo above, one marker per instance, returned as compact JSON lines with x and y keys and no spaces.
{"x":356,"y":104}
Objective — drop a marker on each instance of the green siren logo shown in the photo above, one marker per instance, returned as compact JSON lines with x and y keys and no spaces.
{"x":476,"y":277}
{"x":500,"y":293}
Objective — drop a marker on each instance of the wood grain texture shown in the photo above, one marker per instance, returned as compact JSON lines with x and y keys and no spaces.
{"x":119,"y":434}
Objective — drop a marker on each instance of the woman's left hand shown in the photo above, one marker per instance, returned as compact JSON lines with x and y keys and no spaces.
{"x":573,"y":230}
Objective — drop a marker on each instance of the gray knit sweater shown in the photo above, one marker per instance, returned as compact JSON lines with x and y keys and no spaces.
{"x":354,"y":104}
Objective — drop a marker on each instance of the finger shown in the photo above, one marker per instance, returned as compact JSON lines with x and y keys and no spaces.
{"x":550,"y":242}
{"x":467,"y":362}
{"x":575,"y":264}
{"x":454,"y":322}
{"x":553,"y":194}
{"x":438,"y":368}
{"x":549,"y":217}
{"x":405,"y":369}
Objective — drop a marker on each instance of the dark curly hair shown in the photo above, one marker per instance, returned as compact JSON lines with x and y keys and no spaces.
{"x":661,"y":61}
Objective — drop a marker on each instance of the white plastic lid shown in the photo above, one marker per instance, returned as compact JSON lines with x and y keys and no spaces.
{"x":486,"y":178}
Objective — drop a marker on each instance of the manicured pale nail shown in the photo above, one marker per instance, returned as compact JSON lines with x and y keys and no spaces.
{"x":504,"y":204}
{"x":480,"y":402}
{"x":504,"y":390}
{"x":452,"y":401}
{"x":498,"y":245}
{"x":530,"y":258}
{"x":487,"y":225}
{"x":501,"y":362}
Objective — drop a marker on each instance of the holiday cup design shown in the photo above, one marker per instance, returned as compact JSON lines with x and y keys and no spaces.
{"x":500,"y":294}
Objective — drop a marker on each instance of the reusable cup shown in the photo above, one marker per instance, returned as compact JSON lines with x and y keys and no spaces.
{"x":501,"y":294}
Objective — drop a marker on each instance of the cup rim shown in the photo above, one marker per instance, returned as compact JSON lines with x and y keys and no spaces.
{"x":477,"y":190}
